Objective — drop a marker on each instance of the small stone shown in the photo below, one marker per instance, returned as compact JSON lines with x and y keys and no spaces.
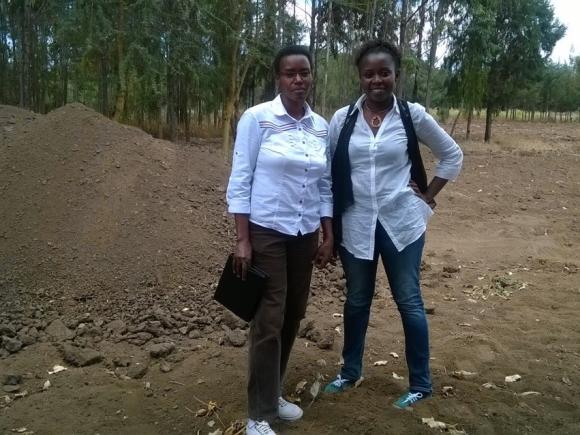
{"x":429,"y":310}
{"x":80,"y":357}
{"x":11,"y":379}
{"x":11,"y":388}
{"x":162,"y":349}
{"x":58,"y":331}
{"x":117,"y":327}
{"x":183,"y":330}
{"x":326,"y":341}
{"x":7,"y":329}
{"x":121,"y":361}
{"x":451,"y":269}
{"x":233,"y":321}
{"x":165,"y":367}
{"x":138,"y":369}
{"x":236,"y":338}
{"x":12,"y":345}
{"x":194,"y":334}
{"x":26,"y":339}
{"x":176,"y":357}
{"x":305,"y":328}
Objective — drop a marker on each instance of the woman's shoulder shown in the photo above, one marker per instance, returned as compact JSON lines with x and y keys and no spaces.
{"x":340,"y":114}
{"x":259,"y":109}
{"x":417,"y":112}
{"x":319,"y":120}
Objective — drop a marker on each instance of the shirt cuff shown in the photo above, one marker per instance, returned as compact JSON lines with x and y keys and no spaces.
{"x":326,"y":210}
{"x":450,"y":174}
{"x":239,"y":207}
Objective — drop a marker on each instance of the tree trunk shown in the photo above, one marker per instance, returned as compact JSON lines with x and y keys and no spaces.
{"x":454,"y":123}
{"x":121,"y":73}
{"x":64,"y":82}
{"x":326,"y":65}
{"x":488,"y":120}
{"x":270,"y":34}
{"x":26,"y":56}
{"x":402,"y":43}
{"x":312,"y":49}
{"x":171,"y":104}
{"x":468,"y":128}
{"x":103,"y":87}
{"x":419,"y":51}
{"x":371,"y":18}
{"x":436,"y":28}
{"x":234,"y":83}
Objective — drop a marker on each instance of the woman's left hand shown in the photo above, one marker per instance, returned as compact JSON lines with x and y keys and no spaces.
{"x":324,"y":254}
{"x":429,"y":201}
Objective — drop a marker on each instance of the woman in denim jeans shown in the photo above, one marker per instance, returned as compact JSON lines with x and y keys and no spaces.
{"x":385,"y":214}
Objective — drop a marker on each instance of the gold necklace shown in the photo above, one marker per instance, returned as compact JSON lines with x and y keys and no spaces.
{"x":376,"y":119}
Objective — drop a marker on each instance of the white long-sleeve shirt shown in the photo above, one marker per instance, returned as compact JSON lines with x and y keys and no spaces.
{"x":380,"y":173}
{"x":281,"y":169}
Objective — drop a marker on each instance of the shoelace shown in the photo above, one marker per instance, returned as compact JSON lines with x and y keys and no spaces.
{"x":339,"y":381}
{"x":413,"y":397}
{"x":263,"y":427}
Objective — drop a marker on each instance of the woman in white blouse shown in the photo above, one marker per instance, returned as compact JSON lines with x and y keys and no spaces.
{"x":384,"y":213}
{"x":280,"y":194}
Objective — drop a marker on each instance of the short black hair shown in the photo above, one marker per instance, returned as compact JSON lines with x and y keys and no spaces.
{"x":290,"y":50}
{"x":378,"y":46}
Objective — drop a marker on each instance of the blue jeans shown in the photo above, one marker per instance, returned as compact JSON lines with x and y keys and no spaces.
{"x":403,"y":269}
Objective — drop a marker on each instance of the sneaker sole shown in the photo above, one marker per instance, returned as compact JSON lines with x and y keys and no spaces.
{"x":298,"y":417}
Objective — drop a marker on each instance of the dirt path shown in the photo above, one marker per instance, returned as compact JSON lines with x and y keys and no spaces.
{"x":131,"y":273}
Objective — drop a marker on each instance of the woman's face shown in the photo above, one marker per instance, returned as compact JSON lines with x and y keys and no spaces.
{"x":377,"y":74}
{"x":295,"y":78}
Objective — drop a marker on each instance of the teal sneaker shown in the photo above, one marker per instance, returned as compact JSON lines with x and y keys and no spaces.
{"x":409,"y":398}
{"x":338,"y":385}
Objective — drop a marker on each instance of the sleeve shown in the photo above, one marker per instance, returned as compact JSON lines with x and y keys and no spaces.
{"x":334,"y":131}
{"x":245,"y":155}
{"x":441,"y":144}
{"x":325,"y":187}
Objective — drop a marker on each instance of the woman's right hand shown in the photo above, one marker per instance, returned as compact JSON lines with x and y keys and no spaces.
{"x":242,"y":258}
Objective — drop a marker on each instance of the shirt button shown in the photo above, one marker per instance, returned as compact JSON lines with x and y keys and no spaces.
{"x":300,"y":201}
{"x":306,"y":155}
{"x":303,"y":141}
{"x":299,"y":214}
{"x":304,"y":185}
{"x":305,"y":170}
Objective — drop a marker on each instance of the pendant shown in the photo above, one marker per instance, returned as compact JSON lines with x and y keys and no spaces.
{"x":376,"y":121}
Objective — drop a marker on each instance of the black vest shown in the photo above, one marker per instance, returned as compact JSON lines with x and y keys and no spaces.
{"x":341,"y":180}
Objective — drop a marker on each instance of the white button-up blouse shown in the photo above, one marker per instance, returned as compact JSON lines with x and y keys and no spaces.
{"x":380,"y":172}
{"x":281,"y":169}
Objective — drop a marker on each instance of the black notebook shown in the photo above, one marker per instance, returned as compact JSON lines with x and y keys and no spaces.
{"x":238,"y":296}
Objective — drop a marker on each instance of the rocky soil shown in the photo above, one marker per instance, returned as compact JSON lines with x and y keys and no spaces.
{"x":111,"y":244}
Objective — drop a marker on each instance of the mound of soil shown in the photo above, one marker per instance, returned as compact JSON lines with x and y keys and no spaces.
{"x":95,"y":210}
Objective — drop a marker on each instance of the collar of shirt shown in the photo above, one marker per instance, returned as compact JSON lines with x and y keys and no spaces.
{"x":278,"y":109}
{"x":359,"y":103}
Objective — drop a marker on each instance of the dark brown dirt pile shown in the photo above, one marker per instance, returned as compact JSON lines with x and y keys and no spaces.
{"x":95,"y":211}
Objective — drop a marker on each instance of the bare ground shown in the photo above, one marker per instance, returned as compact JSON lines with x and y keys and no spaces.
{"x":100,"y":222}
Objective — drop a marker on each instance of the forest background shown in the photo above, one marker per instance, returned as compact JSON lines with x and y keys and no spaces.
{"x":183,"y":68}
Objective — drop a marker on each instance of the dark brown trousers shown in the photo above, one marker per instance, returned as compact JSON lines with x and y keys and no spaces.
{"x":288,"y":261}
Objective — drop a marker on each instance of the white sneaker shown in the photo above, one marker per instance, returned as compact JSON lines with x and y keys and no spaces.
{"x":258,"y":428}
{"x":288,"y":411}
